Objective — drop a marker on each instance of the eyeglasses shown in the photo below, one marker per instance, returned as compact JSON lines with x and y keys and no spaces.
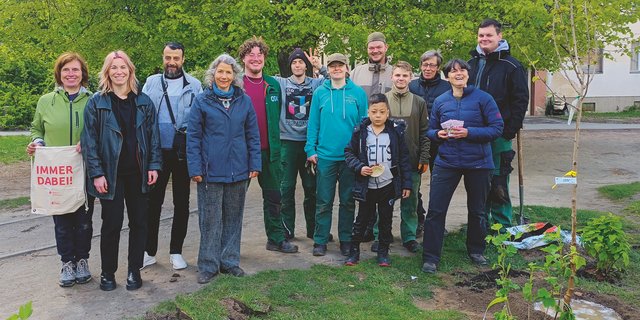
{"x":430,"y":66}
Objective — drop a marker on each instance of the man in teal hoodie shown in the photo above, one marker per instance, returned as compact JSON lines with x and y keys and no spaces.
{"x":337,"y":107}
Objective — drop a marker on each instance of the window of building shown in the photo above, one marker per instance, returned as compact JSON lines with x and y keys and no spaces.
{"x":592,"y":63}
{"x":635,"y":57}
{"x":589,"y":106}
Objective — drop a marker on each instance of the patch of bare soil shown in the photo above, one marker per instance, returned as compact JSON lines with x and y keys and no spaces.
{"x":471,"y":293}
{"x":15,"y":180}
{"x":237,"y":310}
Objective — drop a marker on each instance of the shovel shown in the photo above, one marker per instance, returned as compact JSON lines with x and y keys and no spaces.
{"x":523,"y":220}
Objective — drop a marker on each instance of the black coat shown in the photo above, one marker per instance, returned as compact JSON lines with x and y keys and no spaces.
{"x":429,"y":90}
{"x":356,"y":157}
{"x":505,"y":80}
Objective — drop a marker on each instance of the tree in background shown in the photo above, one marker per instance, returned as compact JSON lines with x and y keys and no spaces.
{"x":33,"y":33}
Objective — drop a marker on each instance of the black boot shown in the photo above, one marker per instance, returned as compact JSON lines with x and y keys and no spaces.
{"x":383,"y":256}
{"x":134,"y":281}
{"x":354,"y":255}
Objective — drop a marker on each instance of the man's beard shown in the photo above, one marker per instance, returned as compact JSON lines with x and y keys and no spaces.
{"x":172,"y":74}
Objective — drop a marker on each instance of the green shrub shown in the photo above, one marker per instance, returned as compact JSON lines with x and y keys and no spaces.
{"x":605,"y":241}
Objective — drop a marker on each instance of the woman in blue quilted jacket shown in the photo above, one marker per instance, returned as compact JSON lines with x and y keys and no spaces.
{"x":464,"y":121}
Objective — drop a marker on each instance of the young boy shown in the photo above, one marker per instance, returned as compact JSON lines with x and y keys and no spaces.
{"x":378,"y":155}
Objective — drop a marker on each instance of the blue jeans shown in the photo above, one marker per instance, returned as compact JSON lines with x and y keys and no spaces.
{"x":73,"y":233}
{"x":220,"y":208}
{"x":443,"y":183}
{"x":328,"y":173}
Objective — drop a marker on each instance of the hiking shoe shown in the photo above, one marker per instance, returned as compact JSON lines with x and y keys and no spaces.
{"x":354,"y":256}
{"x":383,"y":258}
{"x":374,"y":246}
{"x":284,"y":247}
{"x":177,"y":261}
{"x":429,"y":267}
{"x":412,"y":245}
{"x":205,"y":277}
{"x":67,"y":274}
{"x":148,"y":260}
{"x":345,"y":247}
{"x":134,"y":281}
{"x":234,"y":271}
{"x":107,"y":281}
{"x":319,"y":249}
{"x":83,"y":275}
{"x":478,"y":259}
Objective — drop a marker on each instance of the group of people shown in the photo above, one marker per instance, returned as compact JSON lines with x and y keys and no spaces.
{"x":371,"y":132}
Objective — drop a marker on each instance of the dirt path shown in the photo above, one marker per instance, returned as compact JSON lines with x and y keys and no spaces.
{"x":606,"y":157}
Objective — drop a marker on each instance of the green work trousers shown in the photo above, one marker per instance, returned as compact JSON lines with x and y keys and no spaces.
{"x":327,"y":175}
{"x":293,"y":160}
{"x":500,"y":211}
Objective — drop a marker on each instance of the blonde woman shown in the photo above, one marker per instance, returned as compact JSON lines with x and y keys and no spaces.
{"x":121,"y":147}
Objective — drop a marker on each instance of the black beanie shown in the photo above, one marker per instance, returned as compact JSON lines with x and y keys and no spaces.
{"x":299,"y":54}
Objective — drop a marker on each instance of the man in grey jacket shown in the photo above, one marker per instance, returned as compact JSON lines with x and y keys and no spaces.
{"x":172,"y":94}
{"x":374,"y":76}
{"x":297,"y":91}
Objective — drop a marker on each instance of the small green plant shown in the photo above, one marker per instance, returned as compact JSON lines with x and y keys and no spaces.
{"x":605,"y":241}
{"x":24,"y":312}
{"x":505,"y":284}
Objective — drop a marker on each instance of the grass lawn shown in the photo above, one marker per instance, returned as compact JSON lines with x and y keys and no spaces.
{"x":14,"y":203}
{"x":12,"y":149}
{"x":620,"y":191}
{"x":367,"y":291}
{"x":635,"y":113}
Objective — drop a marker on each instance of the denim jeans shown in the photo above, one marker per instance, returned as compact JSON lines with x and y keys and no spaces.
{"x":129,"y":191}
{"x":180,"y":185}
{"x":73,"y":233}
{"x":327,"y":174}
{"x":293,"y":159}
{"x":379,"y":202}
{"x":443,"y":183}
{"x":220,"y":207}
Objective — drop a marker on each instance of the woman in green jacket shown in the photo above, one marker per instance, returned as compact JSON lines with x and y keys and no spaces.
{"x":58,"y":121}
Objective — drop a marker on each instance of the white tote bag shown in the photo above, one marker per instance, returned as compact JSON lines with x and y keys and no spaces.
{"x":57,"y":180}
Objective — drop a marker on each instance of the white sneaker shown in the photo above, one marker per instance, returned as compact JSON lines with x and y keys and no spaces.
{"x":148,"y":260}
{"x":177,"y":261}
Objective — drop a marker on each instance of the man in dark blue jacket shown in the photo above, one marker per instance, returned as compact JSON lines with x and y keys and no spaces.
{"x":495,"y":71}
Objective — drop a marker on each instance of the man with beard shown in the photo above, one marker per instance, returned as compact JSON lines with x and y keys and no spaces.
{"x":375,"y":76}
{"x":428,"y":86}
{"x":265,"y":94}
{"x":496,"y":72}
{"x":172,"y":94}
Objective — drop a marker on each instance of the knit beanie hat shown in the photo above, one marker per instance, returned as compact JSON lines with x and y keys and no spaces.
{"x":299,"y":54}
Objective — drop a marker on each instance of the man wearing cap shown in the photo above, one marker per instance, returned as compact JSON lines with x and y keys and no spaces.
{"x":265,"y":94}
{"x":172,"y":92}
{"x":375,"y":76}
{"x":495,"y":71}
{"x":337,"y":106}
{"x":297,"y":91}
{"x":410,"y":108}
